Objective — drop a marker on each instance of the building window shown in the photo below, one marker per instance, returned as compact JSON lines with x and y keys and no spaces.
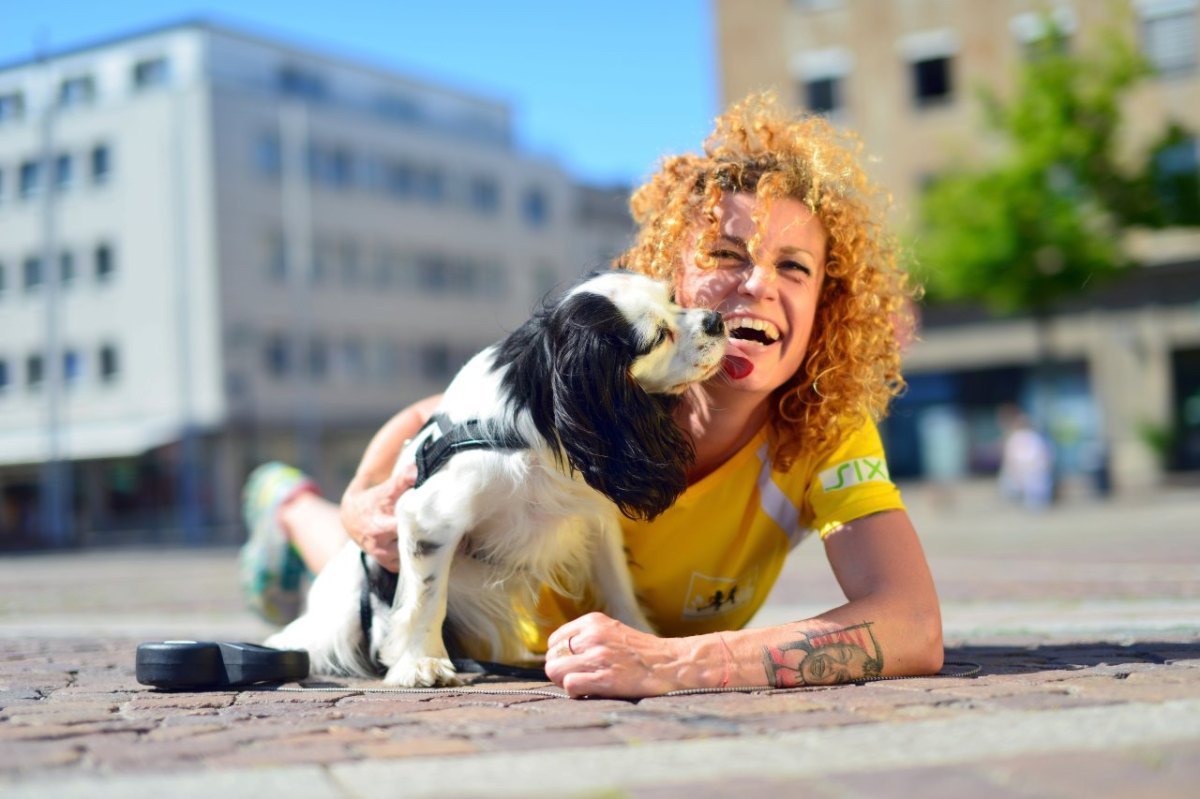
{"x":12,"y":107}
{"x":76,"y":91}
{"x":398,"y":109}
{"x":330,"y":166}
{"x":268,"y":155}
{"x":821,"y":78}
{"x":110,"y":364}
{"x":1169,"y":36}
{"x":823,"y":95}
{"x":72,"y":367}
{"x":101,"y":163}
{"x":66,"y":268}
{"x":388,"y":357}
{"x":63,"y":170}
{"x":34,"y":371}
{"x":277,"y":356}
{"x":33,"y":273}
{"x":341,"y":168}
{"x":535,"y":208}
{"x":277,"y":257}
{"x":318,"y":358}
{"x":483,"y":195}
{"x":381,"y":273}
{"x":1040,"y":33}
{"x":3,"y":375}
{"x":350,"y":267}
{"x":106,"y":263}
{"x":399,"y":178}
{"x":301,"y":83}
{"x":30,"y":178}
{"x":323,"y":257}
{"x":354,"y":359}
{"x":433,"y":273}
{"x":931,"y":81}
{"x":150,"y":73}
{"x":435,"y":361}
{"x":432,"y":185}
{"x":1176,"y":171}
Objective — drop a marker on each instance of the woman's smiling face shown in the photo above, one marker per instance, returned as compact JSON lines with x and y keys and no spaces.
{"x":768,"y":297}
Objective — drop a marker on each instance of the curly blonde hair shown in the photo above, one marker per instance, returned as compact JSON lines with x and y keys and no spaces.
{"x":852,"y":368}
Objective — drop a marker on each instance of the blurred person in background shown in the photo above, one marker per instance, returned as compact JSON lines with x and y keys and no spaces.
{"x":776,"y":226}
{"x":1026,"y":464}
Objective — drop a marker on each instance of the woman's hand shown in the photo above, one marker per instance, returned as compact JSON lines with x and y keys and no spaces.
{"x":595,"y":655}
{"x":369,"y":516}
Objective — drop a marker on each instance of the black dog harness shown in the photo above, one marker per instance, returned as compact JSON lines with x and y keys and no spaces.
{"x":444,"y":442}
{"x":447,"y":440}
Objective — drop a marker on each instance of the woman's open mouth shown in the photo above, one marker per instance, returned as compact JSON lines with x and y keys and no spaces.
{"x":760,"y":331}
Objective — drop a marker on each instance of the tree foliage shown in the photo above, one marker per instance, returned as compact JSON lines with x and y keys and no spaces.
{"x":1045,"y":219}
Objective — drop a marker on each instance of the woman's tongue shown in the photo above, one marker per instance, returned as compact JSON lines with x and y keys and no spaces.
{"x":736,"y":367}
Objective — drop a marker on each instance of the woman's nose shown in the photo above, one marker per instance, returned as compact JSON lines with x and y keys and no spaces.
{"x":758,"y":281}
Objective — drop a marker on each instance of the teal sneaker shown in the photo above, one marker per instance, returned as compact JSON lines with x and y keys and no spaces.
{"x":271,"y":572}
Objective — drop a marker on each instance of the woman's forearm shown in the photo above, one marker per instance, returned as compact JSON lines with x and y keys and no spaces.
{"x":872,"y":636}
{"x":865,"y":639}
{"x":381,"y":454}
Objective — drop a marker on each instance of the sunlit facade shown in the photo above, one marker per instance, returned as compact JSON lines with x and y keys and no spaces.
{"x":1124,"y":400}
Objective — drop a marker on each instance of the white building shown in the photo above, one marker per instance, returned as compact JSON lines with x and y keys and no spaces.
{"x":217,"y":249}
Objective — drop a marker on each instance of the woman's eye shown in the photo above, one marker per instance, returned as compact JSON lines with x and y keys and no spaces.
{"x":794,"y":268}
{"x":727,"y":255}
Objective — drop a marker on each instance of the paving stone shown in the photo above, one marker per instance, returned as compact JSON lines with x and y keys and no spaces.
{"x":26,"y":756}
{"x":539,"y":740}
{"x":811,"y":789}
{"x":1171,"y":771}
{"x":415,"y":747}
{"x":943,"y":782}
{"x":155,"y":705}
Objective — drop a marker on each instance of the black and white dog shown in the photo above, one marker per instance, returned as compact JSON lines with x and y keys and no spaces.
{"x":537,"y":444}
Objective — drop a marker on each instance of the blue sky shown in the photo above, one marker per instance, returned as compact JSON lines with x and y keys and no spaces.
{"x":605,"y":89}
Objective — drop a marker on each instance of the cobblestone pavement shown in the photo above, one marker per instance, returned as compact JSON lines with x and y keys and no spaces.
{"x":1085,"y":623}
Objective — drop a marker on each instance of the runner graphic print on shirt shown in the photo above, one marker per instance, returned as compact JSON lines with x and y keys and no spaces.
{"x":713,"y":596}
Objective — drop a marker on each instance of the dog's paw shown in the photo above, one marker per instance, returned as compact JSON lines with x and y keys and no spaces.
{"x":422,"y":672}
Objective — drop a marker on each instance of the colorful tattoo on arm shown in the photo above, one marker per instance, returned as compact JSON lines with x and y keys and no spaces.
{"x":835,"y":657}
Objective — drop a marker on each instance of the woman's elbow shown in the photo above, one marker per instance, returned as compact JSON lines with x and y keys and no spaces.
{"x":930,"y":652}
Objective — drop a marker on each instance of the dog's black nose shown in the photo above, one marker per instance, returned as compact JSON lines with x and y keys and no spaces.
{"x":713,"y":324}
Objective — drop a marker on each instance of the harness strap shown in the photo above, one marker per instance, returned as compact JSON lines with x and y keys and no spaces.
{"x":448,"y":439}
{"x":364,"y":605}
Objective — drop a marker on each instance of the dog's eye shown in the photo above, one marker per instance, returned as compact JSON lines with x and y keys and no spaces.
{"x":665,"y":333}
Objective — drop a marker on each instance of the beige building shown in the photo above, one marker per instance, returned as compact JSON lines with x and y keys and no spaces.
{"x":904,"y":75}
{"x":217,"y":249}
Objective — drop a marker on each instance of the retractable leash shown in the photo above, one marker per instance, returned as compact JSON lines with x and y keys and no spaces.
{"x":203,"y":665}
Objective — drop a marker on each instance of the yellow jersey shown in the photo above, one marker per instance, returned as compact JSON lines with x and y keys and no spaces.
{"x":708,"y":562}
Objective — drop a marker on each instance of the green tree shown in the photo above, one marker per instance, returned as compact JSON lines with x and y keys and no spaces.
{"x":1044,"y":219}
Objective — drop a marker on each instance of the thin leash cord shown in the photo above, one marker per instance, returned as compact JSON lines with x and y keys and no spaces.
{"x":968,"y":670}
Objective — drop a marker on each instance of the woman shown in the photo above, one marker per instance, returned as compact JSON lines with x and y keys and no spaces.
{"x":776,"y":226}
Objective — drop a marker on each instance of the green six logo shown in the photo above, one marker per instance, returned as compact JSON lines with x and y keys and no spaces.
{"x":851,"y":473}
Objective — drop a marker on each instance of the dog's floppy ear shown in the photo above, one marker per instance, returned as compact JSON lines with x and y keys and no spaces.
{"x":622,"y":440}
